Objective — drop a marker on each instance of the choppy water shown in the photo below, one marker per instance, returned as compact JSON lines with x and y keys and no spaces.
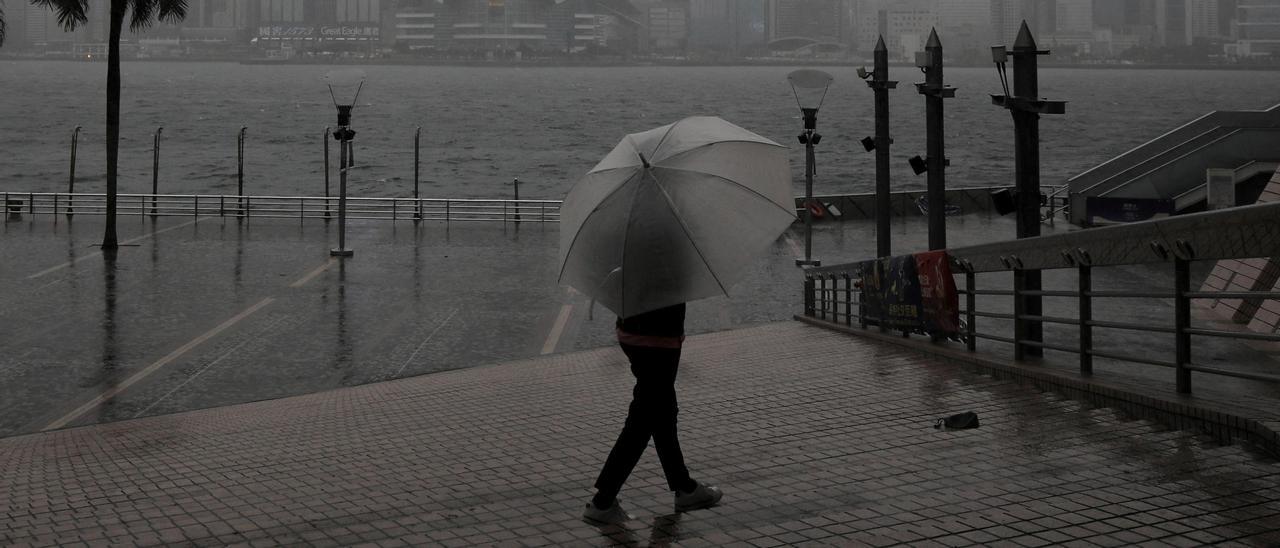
{"x":483,"y":126}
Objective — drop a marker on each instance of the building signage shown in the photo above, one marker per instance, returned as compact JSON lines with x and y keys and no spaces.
{"x":306,"y":32}
{"x":1102,"y":210}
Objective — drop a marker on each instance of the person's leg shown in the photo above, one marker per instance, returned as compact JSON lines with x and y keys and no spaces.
{"x":662,"y":369}
{"x":634,"y":438}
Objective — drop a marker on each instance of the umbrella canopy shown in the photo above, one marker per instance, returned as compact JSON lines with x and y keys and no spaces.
{"x":674,"y":214}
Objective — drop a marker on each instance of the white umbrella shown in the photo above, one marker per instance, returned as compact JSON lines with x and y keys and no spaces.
{"x":674,"y":214}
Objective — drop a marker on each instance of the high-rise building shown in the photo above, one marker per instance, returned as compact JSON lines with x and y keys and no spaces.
{"x":1183,"y":22}
{"x":905,"y":24}
{"x":668,"y":26}
{"x":965,"y":28}
{"x":726,"y":25}
{"x":1257,"y":29}
{"x":493,"y":26}
{"x":1202,"y":20}
{"x":819,"y":20}
{"x":37,"y":27}
{"x":1074,"y":17}
{"x":306,"y":24}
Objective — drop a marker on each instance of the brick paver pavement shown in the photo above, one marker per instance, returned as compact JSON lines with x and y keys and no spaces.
{"x":815,"y":436}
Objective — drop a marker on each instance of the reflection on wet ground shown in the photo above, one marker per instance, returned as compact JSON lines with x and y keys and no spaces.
{"x":196,"y":313}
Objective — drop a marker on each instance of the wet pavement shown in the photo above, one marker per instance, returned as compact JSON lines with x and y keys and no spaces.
{"x":196,"y":313}
{"x":817,"y":438}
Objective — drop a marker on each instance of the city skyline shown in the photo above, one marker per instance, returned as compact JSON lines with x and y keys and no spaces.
{"x":724,"y":28}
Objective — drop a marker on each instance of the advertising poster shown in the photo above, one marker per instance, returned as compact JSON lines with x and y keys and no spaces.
{"x":914,"y":293}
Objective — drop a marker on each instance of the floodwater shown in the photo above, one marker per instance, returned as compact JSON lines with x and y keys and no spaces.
{"x":484,"y":126}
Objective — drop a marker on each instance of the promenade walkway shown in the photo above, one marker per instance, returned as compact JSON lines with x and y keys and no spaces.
{"x":817,"y":438}
{"x":226,"y":382}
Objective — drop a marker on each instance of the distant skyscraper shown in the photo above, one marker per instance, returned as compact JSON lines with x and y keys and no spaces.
{"x":1257,"y":28}
{"x":1074,"y":17}
{"x":726,"y":25}
{"x":821,"y":20}
{"x":668,"y":26}
{"x":1202,"y":18}
{"x":1007,"y":17}
{"x":905,"y":24}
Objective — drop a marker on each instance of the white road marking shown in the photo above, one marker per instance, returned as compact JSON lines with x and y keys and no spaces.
{"x":113,"y":391}
{"x":424,"y":343}
{"x":97,"y":253}
{"x":208,"y":365}
{"x":303,"y":280}
{"x":553,"y":338}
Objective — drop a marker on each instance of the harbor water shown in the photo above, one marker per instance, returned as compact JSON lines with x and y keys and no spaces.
{"x":484,"y":126}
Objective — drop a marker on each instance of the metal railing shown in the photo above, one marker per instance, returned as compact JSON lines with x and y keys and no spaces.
{"x":833,"y":294}
{"x":285,"y":207}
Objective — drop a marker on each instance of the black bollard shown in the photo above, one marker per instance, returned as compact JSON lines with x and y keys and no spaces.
{"x":1026,"y":106}
{"x":881,"y":85}
{"x":934,"y":90}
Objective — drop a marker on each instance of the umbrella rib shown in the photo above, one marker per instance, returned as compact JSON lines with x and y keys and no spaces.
{"x":734,"y":183}
{"x":584,"y":221}
{"x":675,"y":213}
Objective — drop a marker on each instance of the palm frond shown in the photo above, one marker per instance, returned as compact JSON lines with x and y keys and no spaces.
{"x":146,"y":12}
{"x":71,"y":13}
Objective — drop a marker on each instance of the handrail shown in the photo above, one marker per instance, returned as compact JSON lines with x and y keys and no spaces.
{"x":1234,"y":233}
{"x":298,"y":207}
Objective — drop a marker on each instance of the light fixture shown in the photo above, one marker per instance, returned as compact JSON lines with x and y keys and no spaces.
{"x":918,"y":165}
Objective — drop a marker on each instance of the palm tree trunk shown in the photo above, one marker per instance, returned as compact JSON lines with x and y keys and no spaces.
{"x":118,"y":7}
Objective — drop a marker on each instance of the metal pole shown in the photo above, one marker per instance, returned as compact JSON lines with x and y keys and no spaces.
{"x":937,"y":156}
{"x":516,"y":183}
{"x":970,"y":305}
{"x":71,"y":181}
{"x":810,"y":138}
{"x":417,"y":144}
{"x":1086,"y":317}
{"x":155,"y":169}
{"x":342,"y":250}
{"x":884,"y":209}
{"x":1182,"y":322}
{"x":351,"y":153}
{"x":240,"y":167}
{"x":808,"y":201}
{"x":326,"y":171}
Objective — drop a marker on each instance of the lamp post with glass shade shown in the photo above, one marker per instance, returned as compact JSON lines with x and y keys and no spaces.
{"x":810,"y":88}
{"x":344,"y":89}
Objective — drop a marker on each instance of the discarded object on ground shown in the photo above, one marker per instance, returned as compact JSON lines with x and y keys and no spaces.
{"x":959,"y":421}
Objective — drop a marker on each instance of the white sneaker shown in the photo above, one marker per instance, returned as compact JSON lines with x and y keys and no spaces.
{"x":702,"y":496}
{"x":612,"y":515}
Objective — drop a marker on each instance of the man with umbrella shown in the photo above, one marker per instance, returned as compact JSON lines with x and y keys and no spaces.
{"x":671,"y":215}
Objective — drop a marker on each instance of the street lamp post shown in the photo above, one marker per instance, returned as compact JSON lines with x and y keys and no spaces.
{"x":344,"y":89}
{"x":810,"y":88}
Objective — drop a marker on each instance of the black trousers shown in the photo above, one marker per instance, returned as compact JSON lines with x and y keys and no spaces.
{"x":652,"y":415}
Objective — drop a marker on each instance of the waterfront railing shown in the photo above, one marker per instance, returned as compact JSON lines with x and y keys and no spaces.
{"x":285,"y":207}
{"x":1074,"y":321}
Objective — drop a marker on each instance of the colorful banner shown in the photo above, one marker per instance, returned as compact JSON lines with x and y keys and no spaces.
{"x":915,"y":293}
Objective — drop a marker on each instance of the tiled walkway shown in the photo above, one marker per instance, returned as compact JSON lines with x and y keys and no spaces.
{"x":816,"y":437}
